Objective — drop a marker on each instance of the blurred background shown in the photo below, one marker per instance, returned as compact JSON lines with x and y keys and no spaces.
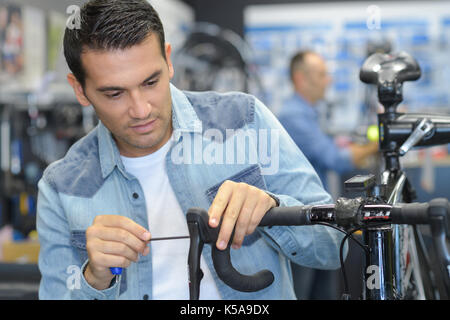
{"x":233,"y":45}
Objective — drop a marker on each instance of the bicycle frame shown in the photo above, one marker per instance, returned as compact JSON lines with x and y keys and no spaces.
{"x":393,"y":246}
{"x":398,"y":132}
{"x":385,"y":263}
{"x":381,"y":267}
{"x":380,"y":264}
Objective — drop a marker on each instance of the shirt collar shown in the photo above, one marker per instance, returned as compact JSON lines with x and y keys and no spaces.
{"x":108,"y":152}
{"x":184,"y":120}
{"x":304,"y":105}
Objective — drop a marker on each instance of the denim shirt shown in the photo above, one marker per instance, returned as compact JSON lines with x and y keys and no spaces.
{"x":301,"y":122}
{"x":91,"y":180}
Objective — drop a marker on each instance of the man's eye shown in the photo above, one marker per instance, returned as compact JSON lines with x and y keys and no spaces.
{"x":151,"y":83}
{"x":114,"y":95}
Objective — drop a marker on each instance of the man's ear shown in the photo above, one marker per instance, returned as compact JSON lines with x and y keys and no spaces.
{"x":298,"y":78}
{"x":169,"y":60}
{"x":78,"y":89}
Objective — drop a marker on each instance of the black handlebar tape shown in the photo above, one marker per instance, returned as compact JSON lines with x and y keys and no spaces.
{"x":200,"y":233}
{"x":439,"y":216}
{"x":410,"y":213}
{"x":235,"y":279}
{"x":278,"y":216}
{"x":286,"y":216}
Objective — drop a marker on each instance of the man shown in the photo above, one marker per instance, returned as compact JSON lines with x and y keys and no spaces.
{"x":134,"y":177}
{"x":299,"y":116}
{"x":310,"y":80}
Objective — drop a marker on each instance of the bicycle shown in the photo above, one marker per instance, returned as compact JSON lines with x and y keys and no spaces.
{"x":384,"y":213}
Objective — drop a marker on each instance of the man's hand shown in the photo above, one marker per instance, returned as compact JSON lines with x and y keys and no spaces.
{"x":238,"y":204}
{"x":360,"y":153}
{"x":113,"y":241}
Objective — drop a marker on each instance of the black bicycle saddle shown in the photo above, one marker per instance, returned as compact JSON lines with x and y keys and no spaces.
{"x":383,"y":69}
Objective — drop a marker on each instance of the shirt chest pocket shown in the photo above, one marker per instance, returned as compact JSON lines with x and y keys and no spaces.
{"x":252,"y":176}
{"x":78,"y":241}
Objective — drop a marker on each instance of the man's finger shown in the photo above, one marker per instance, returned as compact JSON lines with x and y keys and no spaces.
{"x":261,"y":208}
{"x":220,"y":203}
{"x":231,"y":215}
{"x":118,"y":221}
{"x":109,"y":234}
{"x":118,"y":249}
{"x":104,"y":260}
{"x":244,"y":219}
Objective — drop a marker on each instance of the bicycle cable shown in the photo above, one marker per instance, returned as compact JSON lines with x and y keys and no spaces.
{"x":349,"y":234}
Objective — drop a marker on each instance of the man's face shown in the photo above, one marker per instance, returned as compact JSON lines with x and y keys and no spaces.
{"x":317,"y":79}
{"x":129,"y":90}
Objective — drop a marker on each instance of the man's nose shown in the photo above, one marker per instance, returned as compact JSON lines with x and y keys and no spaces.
{"x":140,"y":107}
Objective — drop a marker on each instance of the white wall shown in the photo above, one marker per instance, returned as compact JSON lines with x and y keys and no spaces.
{"x":176,"y":16}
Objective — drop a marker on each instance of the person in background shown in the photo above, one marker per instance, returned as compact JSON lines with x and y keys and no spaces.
{"x":299,"y":116}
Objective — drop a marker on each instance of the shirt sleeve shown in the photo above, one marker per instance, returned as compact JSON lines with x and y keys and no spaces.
{"x":318,"y":147}
{"x":59,"y":262}
{"x":295,"y":182}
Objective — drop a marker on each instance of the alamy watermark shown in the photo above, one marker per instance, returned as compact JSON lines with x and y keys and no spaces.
{"x":373,"y":21}
{"x":230,"y":147}
{"x":73,"y":281}
{"x":74,"y":20}
{"x":373,"y":279}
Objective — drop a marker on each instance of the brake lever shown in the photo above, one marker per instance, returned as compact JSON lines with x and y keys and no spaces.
{"x":200,"y":233}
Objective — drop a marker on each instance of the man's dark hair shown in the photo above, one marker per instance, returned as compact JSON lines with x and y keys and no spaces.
{"x":110,"y":25}
{"x":297,"y":61}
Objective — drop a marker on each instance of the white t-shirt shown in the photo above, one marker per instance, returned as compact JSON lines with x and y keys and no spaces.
{"x":166,"y":219}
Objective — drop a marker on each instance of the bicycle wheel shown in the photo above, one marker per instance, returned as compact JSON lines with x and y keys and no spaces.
{"x":414,"y":277}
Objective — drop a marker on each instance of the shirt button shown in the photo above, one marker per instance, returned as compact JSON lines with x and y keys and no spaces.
{"x":135,"y":195}
{"x":145,"y":297}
